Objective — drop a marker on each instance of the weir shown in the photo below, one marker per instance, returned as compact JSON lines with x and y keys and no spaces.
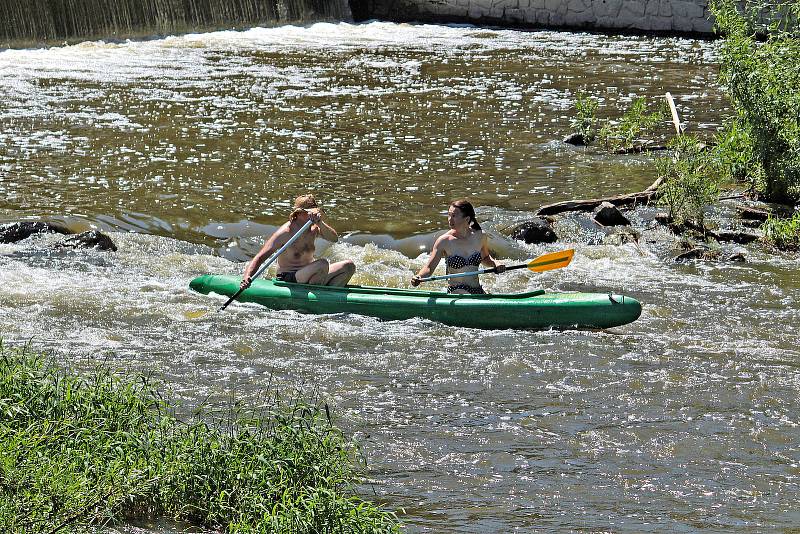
{"x":46,"y":21}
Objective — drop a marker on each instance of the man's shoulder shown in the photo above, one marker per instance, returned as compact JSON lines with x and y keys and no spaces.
{"x":282,"y":232}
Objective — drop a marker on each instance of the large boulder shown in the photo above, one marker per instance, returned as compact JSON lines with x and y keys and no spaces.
{"x":91,"y":239}
{"x":534,"y":231}
{"x":607,"y":214}
{"x":13,"y":232}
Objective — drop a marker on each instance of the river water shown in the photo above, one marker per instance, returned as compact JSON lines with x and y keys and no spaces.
{"x":188,"y":149}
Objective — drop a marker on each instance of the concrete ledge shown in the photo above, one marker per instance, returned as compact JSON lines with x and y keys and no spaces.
{"x":660,"y":16}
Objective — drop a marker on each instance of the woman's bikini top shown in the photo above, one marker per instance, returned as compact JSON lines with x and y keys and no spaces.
{"x":459,"y":262}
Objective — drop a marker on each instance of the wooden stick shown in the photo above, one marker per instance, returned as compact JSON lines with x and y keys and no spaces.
{"x":675,"y":119}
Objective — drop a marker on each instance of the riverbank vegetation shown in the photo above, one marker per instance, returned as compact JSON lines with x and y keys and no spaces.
{"x":763,"y":82}
{"x":690,"y":181}
{"x":759,"y":145}
{"x":77,"y":451}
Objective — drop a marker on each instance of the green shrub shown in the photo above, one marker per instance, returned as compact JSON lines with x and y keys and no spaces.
{"x":690,"y":180}
{"x":637,"y":120}
{"x":81,"y":451}
{"x":763,"y":81}
{"x":783,"y":233}
{"x":736,"y":159}
{"x":585,"y":120}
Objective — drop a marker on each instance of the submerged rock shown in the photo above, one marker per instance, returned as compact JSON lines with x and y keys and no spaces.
{"x":607,"y":214}
{"x":534,"y":231}
{"x":91,"y":239}
{"x":748,"y":213}
{"x":622,"y":236}
{"x":663,"y":219}
{"x":575,"y":139}
{"x":736,"y":237}
{"x":11,"y":233}
{"x":698,"y":253}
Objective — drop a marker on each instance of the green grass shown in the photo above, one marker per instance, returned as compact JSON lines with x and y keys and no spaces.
{"x":78,"y":451}
{"x":585,"y":120}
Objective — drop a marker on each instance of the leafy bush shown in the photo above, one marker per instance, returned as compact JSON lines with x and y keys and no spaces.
{"x":690,"y":180}
{"x":783,"y":233}
{"x":736,"y":159}
{"x":637,"y":120}
{"x":585,"y":120}
{"x":763,"y":81}
{"x":76,"y":452}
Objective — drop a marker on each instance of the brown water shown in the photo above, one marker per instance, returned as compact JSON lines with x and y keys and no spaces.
{"x":189,"y":148}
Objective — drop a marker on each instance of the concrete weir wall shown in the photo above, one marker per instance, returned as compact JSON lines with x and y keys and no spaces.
{"x":683,"y":16}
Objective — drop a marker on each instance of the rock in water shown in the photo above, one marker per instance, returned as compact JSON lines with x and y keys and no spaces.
{"x":534,"y":231}
{"x":91,"y":239}
{"x":607,"y":214}
{"x":11,"y":233}
{"x":575,"y":139}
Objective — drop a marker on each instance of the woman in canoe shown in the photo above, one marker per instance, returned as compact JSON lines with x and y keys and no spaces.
{"x":464,"y":248}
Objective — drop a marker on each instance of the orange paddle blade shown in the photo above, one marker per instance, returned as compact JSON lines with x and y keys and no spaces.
{"x":554,"y":260}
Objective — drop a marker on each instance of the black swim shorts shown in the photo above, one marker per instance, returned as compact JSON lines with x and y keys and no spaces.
{"x":287,"y":276}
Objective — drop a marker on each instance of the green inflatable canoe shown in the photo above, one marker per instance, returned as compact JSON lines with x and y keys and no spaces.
{"x":536,"y":309}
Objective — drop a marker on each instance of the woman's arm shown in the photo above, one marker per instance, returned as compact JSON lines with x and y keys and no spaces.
{"x":437,"y":253}
{"x":486,"y":256}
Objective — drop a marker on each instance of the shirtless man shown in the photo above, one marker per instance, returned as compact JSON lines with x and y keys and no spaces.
{"x":297,"y":264}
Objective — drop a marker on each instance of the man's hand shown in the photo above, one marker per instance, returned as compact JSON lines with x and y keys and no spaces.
{"x":246,"y":281}
{"x":315,"y":215}
{"x":415,"y":281}
{"x":500,"y":268}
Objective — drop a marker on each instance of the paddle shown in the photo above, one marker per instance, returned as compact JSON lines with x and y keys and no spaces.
{"x":271,"y":259}
{"x":546,"y":262}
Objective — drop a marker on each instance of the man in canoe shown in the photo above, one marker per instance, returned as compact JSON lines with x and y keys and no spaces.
{"x":297,"y":264}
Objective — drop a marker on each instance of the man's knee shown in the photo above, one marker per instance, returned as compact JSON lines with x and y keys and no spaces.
{"x":313,"y":273}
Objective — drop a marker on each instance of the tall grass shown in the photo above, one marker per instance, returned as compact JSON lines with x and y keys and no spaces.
{"x":77,"y":451}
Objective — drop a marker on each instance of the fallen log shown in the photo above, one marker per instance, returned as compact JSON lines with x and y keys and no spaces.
{"x":642,"y":197}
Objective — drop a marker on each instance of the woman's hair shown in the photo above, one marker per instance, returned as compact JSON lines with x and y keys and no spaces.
{"x":466,"y":208}
{"x":302,"y":203}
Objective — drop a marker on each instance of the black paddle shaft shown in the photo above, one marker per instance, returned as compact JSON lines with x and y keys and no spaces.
{"x":511,"y":268}
{"x":232,"y":299}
